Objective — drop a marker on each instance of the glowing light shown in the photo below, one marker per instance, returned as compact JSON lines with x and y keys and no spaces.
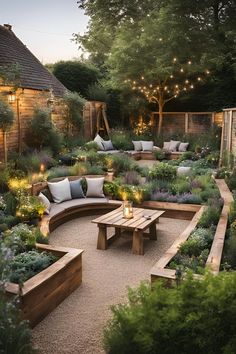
{"x":181,"y":70}
{"x":189,"y":62}
{"x":171,"y":76}
{"x":191,"y":86}
{"x":207,"y":72}
{"x":186,"y":81}
{"x":160,"y":39}
{"x":176,"y":86}
{"x":199,"y":79}
{"x":142,"y":77}
{"x":150,"y":85}
{"x":174,"y":60}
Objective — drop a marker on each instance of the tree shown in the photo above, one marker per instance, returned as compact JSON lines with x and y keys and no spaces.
{"x":6,"y":121}
{"x":145,"y":36}
{"x":76,"y":76}
{"x":74,"y":108}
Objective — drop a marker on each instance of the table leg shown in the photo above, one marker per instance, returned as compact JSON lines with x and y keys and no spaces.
{"x":153,"y":232}
{"x":137,"y":247}
{"x":102,"y":238}
{"x":117,"y":232}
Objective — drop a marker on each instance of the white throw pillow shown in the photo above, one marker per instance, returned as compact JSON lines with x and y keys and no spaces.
{"x":95,"y":187}
{"x":147,"y":145}
{"x":183,"y":147}
{"x":174,"y":144}
{"x":137,"y":145}
{"x":99,"y":142}
{"x":44,"y":200}
{"x":60,"y":190}
{"x":166,"y":145}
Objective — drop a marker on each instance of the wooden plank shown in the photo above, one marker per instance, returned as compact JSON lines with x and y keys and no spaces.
{"x":170,"y":253}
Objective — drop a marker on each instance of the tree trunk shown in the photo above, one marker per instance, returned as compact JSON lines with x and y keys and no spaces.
{"x":5,"y":146}
{"x":161,"y":105}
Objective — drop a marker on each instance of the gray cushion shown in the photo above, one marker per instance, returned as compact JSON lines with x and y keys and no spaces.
{"x":76,"y":189}
{"x":166,"y":145}
{"x":174,"y":144}
{"x":60,"y":190}
{"x":107,"y":144}
{"x":137,"y":145}
{"x":95,"y":187}
{"x":44,"y":200}
{"x":99,"y":142}
{"x":183,"y":147}
{"x":147,"y":145}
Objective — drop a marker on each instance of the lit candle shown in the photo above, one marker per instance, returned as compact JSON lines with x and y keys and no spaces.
{"x":127,"y":210}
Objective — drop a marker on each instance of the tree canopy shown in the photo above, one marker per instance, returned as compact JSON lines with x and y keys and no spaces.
{"x":76,"y":76}
{"x":141,"y":38}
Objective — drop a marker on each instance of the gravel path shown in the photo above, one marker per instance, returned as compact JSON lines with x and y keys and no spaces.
{"x":76,"y":325}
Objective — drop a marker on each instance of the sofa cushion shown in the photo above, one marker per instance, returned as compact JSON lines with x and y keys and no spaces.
{"x":95,"y":187}
{"x":137,"y":145}
{"x":60,"y":190}
{"x":147,"y":145}
{"x":183,"y":147}
{"x":107,"y":144}
{"x":109,"y":152}
{"x":44,"y":200}
{"x":76,"y":189}
{"x":166,"y":145}
{"x":99,"y":140}
{"x":174,"y":144}
{"x":58,"y":208}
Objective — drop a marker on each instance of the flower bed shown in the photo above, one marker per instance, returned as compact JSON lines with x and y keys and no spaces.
{"x":162,"y":269}
{"x":46,"y":290}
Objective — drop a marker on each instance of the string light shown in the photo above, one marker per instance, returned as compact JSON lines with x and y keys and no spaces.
{"x":181,"y":70}
{"x":189,"y":62}
{"x":174,"y":60}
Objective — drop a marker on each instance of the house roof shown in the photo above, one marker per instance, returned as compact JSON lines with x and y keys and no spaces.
{"x":32,"y":73}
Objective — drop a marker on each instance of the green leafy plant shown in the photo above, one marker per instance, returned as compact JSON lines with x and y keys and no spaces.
{"x":91,"y":145}
{"x":210,"y":217}
{"x":74,"y":108}
{"x":27,"y":264}
{"x":20,"y":238}
{"x":6,"y":121}
{"x":41,"y":132}
{"x":162,"y":171}
{"x":193,"y":315}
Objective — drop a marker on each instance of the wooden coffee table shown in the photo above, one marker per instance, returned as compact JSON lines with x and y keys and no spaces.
{"x":143,"y":219}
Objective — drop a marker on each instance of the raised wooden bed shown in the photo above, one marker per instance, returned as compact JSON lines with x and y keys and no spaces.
{"x":159,"y":270}
{"x":46,"y":290}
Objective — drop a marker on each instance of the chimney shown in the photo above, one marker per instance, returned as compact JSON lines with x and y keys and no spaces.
{"x":7,"y":26}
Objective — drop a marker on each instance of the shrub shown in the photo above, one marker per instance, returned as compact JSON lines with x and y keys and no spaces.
{"x":121,"y":140}
{"x":195,"y":317}
{"x":232,"y":213}
{"x":189,"y":198}
{"x":122,"y":163}
{"x":191,"y":247}
{"x":96,"y":92}
{"x":20,"y":238}
{"x":26,"y":265}
{"x":74,"y":104}
{"x":91,"y":145}
{"x":58,"y":172}
{"x":15,"y":334}
{"x":230,"y":250}
{"x":160,"y":155}
{"x":41,"y":132}
{"x":162,"y":171}
{"x":131,"y":177}
{"x":209,"y":217}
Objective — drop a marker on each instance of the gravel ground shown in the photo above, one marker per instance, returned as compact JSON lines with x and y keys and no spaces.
{"x":76,"y":325}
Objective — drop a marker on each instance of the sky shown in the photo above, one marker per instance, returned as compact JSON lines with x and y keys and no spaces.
{"x":45,"y":26}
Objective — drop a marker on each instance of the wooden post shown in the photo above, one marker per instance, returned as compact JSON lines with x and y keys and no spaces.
{"x":19,"y":125}
{"x":102,"y":237}
{"x":5,"y":146}
{"x":153,"y":231}
{"x":186,"y":123}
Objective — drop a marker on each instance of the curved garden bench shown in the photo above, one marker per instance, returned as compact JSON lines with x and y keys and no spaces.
{"x":73,"y":208}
